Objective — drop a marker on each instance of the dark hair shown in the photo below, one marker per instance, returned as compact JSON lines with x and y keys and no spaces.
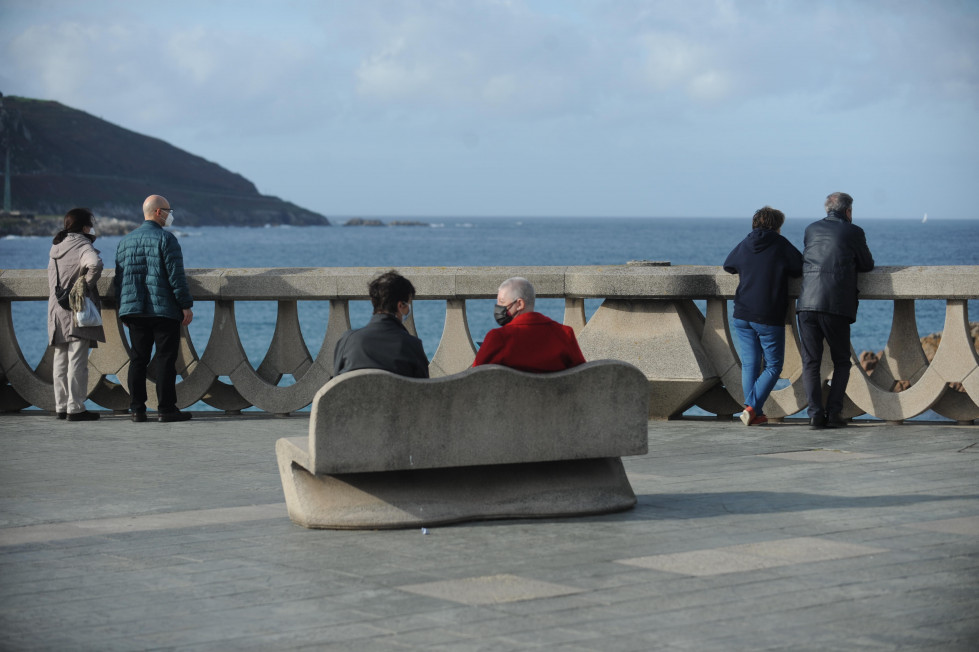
{"x":75,"y":220}
{"x":768,"y":218}
{"x":388,"y":290}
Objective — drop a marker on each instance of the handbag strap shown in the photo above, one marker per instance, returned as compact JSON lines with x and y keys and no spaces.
{"x":57,"y":276}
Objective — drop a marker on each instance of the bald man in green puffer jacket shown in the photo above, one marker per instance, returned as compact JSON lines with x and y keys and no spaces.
{"x":154,"y":301}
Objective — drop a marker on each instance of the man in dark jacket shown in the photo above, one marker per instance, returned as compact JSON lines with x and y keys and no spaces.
{"x":154,"y":301}
{"x":384,"y":343}
{"x":764,"y":261}
{"x":835,"y":250}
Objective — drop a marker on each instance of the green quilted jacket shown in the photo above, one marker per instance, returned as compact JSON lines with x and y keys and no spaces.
{"x":150,"y":280}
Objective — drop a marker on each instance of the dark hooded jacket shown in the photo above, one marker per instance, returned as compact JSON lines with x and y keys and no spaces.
{"x":764,"y":261}
{"x":835,"y":250}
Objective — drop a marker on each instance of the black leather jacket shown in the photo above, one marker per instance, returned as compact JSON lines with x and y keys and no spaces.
{"x":835,"y":250}
{"x":383,"y":343}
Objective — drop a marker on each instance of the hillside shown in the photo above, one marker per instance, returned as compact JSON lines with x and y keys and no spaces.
{"x":62,"y":158}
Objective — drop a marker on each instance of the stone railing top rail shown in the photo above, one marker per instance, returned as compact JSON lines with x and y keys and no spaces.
{"x":433,"y":283}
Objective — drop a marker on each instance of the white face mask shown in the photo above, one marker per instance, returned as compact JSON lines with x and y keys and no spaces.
{"x":169,"y":219}
{"x":404,"y":317}
{"x":92,"y":232}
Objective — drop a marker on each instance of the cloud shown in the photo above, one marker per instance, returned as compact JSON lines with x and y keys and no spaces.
{"x":124,"y":67}
{"x":488,"y":57}
{"x":288,"y":65}
{"x":671,"y":62}
{"x":840,"y":55}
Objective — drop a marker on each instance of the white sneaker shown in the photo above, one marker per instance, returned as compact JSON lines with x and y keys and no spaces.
{"x":747,"y":415}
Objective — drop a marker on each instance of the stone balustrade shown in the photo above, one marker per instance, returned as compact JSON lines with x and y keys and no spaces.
{"x":647,"y":317}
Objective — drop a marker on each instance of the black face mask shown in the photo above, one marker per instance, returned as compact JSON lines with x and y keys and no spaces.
{"x":501,"y":315}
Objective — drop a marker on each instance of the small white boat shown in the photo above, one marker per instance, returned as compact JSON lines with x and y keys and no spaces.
{"x":925,"y":218}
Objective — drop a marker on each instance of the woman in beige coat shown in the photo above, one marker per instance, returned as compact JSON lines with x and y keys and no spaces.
{"x":72,"y":255}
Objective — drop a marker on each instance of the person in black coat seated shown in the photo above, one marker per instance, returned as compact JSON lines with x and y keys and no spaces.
{"x":835,"y":250}
{"x":384,"y":343}
{"x":764,"y":261}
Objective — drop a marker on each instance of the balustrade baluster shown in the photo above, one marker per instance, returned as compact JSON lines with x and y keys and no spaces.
{"x":456,"y":350}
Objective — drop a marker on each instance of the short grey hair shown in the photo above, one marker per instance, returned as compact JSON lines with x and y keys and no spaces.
{"x":838,"y":202}
{"x":519,"y":288}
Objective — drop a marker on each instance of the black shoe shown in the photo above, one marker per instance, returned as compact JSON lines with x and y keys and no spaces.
{"x":170,"y":417}
{"x":817,"y":422}
{"x":62,"y":415}
{"x":138,"y":416}
{"x":835,"y":421}
{"x":83,"y":416}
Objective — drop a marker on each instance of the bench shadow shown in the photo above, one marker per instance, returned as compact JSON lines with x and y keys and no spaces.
{"x":711,"y":504}
{"x":682,"y":506}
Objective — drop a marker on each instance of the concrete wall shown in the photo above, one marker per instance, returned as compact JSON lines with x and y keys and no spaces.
{"x":647,"y":318}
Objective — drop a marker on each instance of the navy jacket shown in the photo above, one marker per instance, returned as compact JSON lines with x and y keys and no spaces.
{"x":764,"y":261}
{"x":835,"y":251}
{"x":384,"y":343}
{"x":150,"y":280}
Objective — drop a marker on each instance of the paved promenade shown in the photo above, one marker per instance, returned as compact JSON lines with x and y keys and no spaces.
{"x":122,"y":536}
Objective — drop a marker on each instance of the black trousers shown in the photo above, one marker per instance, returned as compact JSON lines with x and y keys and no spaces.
{"x":144,"y":332}
{"x":814,"y":327}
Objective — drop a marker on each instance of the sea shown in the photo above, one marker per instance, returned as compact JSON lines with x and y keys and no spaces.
{"x":497,"y":241}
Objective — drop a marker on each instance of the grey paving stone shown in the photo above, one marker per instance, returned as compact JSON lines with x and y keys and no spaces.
{"x":197,"y":574}
{"x":966,"y":525}
{"x":489,"y":589}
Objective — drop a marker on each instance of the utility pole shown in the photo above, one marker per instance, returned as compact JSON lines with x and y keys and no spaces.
{"x":7,"y":139}
{"x":6,"y":183}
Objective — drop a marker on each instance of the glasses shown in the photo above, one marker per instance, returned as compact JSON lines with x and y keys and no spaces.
{"x":166,"y":210}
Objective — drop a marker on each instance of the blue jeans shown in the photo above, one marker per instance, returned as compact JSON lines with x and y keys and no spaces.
{"x":759,"y":342}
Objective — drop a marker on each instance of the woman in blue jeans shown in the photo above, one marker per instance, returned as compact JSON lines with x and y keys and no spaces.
{"x":764,"y":261}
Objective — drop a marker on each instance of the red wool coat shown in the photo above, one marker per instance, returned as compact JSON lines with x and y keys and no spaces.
{"x":531,"y":342}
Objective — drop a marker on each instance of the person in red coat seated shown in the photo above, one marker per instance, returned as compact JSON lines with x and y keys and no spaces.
{"x":527,"y":340}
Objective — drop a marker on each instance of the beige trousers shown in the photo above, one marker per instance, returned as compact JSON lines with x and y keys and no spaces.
{"x":71,"y":376}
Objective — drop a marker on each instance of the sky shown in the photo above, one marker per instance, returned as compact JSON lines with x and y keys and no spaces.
{"x":618,"y":108}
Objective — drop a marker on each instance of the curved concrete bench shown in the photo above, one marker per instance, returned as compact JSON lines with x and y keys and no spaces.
{"x":385,"y":451}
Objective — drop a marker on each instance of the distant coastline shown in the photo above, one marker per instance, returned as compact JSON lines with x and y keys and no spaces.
{"x":26,"y":225}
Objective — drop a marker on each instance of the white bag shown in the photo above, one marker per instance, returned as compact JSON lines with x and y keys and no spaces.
{"x":90,"y":316}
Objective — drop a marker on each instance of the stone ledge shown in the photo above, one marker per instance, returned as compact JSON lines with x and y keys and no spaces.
{"x":622,"y":281}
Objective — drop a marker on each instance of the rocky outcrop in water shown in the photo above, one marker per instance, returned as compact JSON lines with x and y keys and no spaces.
{"x":929,"y":344}
{"x":360,"y":221}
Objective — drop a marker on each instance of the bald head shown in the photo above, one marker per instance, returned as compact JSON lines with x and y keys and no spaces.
{"x":152,"y":206}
